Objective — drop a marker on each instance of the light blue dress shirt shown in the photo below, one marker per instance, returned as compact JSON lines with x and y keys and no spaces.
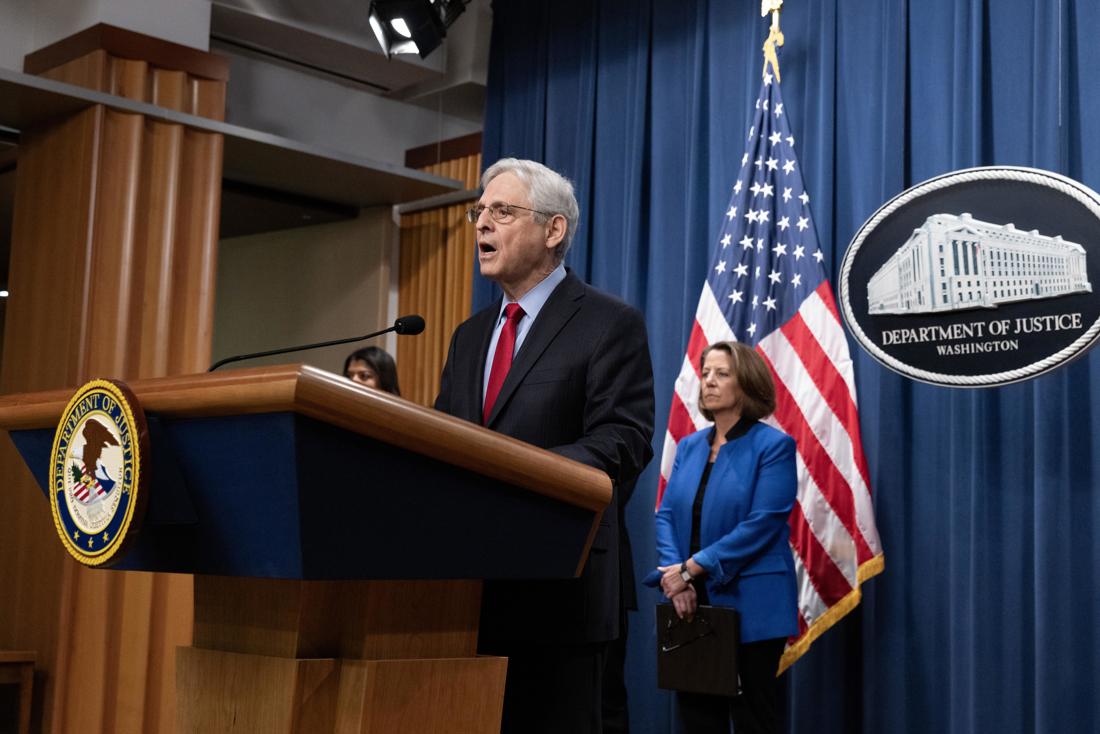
{"x":531,"y":302}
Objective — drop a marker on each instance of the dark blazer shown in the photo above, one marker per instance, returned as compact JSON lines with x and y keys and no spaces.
{"x":744,"y":536}
{"x":581,"y":385}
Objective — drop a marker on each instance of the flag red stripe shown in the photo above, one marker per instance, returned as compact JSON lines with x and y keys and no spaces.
{"x":825,"y":293}
{"x":830,"y":383}
{"x":827,"y":579}
{"x":696,"y":344}
{"x":661,"y":484}
{"x":680,"y":423}
{"x":834,"y":487}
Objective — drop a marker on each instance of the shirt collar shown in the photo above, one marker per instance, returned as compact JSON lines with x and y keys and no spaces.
{"x":739,"y":429}
{"x":533,"y":300}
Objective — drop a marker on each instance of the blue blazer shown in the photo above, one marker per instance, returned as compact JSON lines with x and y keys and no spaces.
{"x":744,"y":536}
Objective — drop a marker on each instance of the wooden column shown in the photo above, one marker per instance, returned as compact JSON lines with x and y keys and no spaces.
{"x":112,"y":274}
{"x":437,"y":267}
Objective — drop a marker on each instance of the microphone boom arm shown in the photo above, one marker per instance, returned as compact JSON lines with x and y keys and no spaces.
{"x":404,"y":325}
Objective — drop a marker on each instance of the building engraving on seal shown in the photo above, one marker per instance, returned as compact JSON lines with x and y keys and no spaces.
{"x":952,"y":263}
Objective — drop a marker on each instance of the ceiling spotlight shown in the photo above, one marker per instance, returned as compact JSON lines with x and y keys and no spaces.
{"x":413,"y":26}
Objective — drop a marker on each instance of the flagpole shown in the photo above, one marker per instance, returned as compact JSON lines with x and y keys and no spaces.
{"x":775,"y":36}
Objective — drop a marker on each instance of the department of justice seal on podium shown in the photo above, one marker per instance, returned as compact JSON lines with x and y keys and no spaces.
{"x":97,"y":470}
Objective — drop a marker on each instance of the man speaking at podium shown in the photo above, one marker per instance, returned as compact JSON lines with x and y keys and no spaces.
{"x":561,"y":365}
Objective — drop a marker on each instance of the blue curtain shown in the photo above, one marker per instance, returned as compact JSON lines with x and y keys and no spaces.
{"x":986,"y":500}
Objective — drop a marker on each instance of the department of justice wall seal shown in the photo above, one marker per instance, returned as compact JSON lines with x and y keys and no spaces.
{"x":977,"y":278}
{"x":98,"y":468}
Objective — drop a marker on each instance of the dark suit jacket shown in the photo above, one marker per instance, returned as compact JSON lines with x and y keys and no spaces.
{"x":581,"y":385}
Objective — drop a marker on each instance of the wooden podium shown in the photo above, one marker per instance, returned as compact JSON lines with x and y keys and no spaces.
{"x":339,"y":536}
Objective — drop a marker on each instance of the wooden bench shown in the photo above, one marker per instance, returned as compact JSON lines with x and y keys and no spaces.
{"x":17,"y":667}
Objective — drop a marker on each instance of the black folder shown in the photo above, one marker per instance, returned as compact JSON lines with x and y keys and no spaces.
{"x":699,"y":656}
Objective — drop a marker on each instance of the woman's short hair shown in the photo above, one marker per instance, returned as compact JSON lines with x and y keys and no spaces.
{"x":753,"y":377}
{"x":380,"y":363}
{"x":547,"y":191}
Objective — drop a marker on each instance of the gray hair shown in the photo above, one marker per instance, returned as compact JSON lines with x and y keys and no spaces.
{"x":548,"y":191}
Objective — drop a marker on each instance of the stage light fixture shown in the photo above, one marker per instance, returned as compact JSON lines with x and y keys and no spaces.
{"x":413,"y":26}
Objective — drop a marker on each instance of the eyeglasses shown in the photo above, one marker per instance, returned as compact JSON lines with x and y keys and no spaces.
{"x":500,"y":213}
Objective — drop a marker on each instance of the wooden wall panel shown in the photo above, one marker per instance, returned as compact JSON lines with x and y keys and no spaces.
{"x":112,"y":274}
{"x":436,"y":280}
{"x":191,"y":310}
{"x":43,"y":338}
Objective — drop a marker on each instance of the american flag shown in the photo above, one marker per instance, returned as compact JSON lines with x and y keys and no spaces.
{"x":767,"y":287}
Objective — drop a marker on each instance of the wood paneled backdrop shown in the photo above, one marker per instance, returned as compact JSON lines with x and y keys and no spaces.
{"x":114,"y":243}
{"x":113,"y":254}
{"x":437,"y":267}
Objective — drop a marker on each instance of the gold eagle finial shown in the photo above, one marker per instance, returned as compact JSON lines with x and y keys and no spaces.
{"x":775,"y":36}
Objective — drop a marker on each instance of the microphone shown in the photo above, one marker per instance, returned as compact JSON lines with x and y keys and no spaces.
{"x":410,"y":324}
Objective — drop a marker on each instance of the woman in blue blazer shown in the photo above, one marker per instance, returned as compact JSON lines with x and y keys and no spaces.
{"x":722,"y":533}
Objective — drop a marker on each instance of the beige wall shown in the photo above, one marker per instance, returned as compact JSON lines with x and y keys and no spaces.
{"x":303,"y":285}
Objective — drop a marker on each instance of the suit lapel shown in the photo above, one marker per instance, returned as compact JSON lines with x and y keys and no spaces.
{"x":475,"y":382}
{"x":563,"y":303}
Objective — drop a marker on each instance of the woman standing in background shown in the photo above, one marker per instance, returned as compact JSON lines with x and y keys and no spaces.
{"x":722,"y":534}
{"x":373,"y":367}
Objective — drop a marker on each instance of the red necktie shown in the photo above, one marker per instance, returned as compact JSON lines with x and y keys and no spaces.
{"x":502,"y":359}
